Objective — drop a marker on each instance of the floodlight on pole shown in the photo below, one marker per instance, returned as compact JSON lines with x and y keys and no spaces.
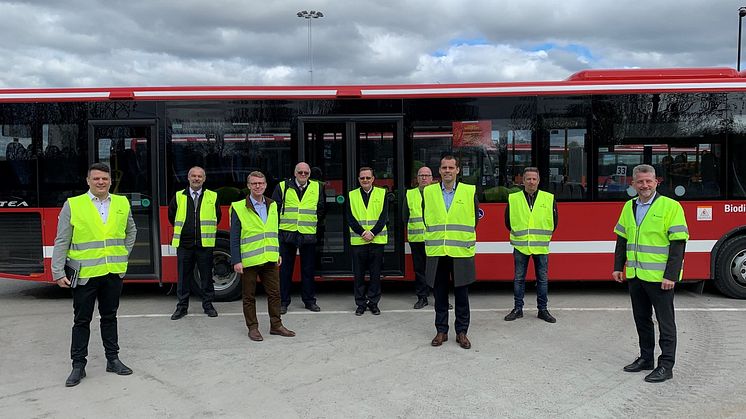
{"x":313,"y":14}
{"x":741,"y":14}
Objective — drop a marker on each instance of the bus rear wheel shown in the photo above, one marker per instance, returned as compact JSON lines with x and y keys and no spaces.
{"x":227,"y":283}
{"x":730,"y":268}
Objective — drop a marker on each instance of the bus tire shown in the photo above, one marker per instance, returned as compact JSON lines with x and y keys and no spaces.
{"x":730,"y":268}
{"x":227,"y":283}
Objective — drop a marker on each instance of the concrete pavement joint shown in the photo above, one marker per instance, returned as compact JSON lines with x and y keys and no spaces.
{"x":477,"y":310}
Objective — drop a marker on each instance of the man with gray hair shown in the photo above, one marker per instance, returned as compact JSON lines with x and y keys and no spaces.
{"x":651,"y":239}
{"x":301,"y":207}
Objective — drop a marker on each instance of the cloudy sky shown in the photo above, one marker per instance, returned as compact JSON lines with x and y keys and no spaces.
{"x":60,"y":43}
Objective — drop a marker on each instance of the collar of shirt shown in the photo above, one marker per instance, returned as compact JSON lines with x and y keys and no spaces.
{"x":254,"y":202}
{"x":192,"y":191}
{"x":443,"y":187}
{"x":94,"y":198}
{"x":367,"y":192}
{"x":299,"y":185}
{"x":650,"y":201}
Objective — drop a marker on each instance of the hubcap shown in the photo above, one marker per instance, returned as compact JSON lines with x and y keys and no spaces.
{"x":738,"y":267}
{"x":223,"y":275}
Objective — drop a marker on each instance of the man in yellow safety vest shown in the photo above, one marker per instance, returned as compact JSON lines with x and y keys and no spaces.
{"x":195,"y":214}
{"x":95,"y":235}
{"x":651,"y":240}
{"x":416,"y":233}
{"x":531,"y":218}
{"x":255,"y":253}
{"x":451,"y":213}
{"x":300,"y":202}
{"x":367,"y":214}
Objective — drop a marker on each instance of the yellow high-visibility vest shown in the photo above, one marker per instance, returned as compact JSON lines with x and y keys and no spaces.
{"x":531,"y":228}
{"x":208,"y":218}
{"x":367,"y":216}
{"x":300,"y":214}
{"x":259,"y":242}
{"x":450,"y":232}
{"x":415,"y":224}
{"x":648,"y":243}
{"x":98,"y":247}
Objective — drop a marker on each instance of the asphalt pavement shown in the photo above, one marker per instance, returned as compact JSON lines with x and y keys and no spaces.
{"x":343,"y":366}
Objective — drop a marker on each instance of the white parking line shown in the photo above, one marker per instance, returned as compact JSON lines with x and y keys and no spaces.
{"x":477,"y":310}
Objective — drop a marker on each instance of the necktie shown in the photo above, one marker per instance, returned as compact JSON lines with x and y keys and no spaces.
{"x":196,"y":200}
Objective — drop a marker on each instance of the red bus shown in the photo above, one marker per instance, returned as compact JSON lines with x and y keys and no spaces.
{"x":585,"y":134}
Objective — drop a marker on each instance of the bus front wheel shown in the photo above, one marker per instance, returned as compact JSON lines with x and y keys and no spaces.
{"x":730,"y":268}
{"x":227,"y":283}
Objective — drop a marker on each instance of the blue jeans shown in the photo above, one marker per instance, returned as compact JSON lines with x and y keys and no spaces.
{"x":519,"y":281}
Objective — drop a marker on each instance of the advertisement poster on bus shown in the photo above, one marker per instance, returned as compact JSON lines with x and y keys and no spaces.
{"x":473,"y":134}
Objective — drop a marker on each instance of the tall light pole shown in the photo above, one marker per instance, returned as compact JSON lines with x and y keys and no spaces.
{"x":313,"y":14}
{"x":741,"y":14}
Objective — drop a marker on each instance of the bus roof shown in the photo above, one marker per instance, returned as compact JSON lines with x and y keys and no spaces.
{"x":620,"y":81}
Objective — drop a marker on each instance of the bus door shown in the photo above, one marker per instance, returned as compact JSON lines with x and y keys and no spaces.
{"x":129,"y":148}
{"x":335,"y":149}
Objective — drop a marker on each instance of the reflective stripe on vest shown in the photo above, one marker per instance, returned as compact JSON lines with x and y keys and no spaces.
{"x":208,"y":219}
{"x":98,"y":247}
{"x":367,"y":216}
{"x":415,"y":225}
{"x":259,"y":243}
{"x":300,"y":214}
{"x":648,"y":244}
{"x":452,"y":232}
{"x":532,"y":227}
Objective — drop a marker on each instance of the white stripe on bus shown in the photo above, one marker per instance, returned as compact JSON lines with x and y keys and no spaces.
{"x":185,"y":93}
{"x":496,"y":248}
{"x":558,"y":88}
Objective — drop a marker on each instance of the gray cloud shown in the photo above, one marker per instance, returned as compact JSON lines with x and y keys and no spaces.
{"x":193,"y":42}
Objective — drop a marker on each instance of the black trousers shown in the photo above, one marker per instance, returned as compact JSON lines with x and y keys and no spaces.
{"x":186,"y":259}
{"x":419,"y":259}
{"x":307,"y":272}
{"x":367,"y":258}
{"x":107,"y":290}
{"x":645,"y":297}
{"x":443,"y":277}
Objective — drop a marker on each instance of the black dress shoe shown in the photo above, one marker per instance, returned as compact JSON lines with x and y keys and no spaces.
{"x":117,"y":367}
{"x":313,"y":307}
{"x":283,"y":309}
{"x":211,"y":312}
{"x":659,"y":375}
{"x":360,"y":310}
{"x":77,"y":374}
{"x":515,"y":313}
{"x":544,"y":315}
{"x":421,"y":302}
{"x":374,"y":309}
{"x":179,"y":313}
{"x":639,"y":364}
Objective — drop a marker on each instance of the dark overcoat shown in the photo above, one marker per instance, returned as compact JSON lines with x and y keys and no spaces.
{"x":464,"y":271}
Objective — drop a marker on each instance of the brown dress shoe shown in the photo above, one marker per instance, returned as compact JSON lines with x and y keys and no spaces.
{"x":255,"y":335}
{"x":463,"y":341}
{"x":282,"y":331}
{"x":439,"y":339}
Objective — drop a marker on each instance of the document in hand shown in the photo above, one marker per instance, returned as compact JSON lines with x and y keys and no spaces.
{"x":72,"y":272}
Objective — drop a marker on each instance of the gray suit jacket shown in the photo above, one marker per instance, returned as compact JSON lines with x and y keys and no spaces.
{"x":65,"y":235}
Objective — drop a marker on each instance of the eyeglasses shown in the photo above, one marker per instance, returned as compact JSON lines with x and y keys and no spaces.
{"x":425,"y":175}
{"x":302,"y":172}
{"x":365,"y":178}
